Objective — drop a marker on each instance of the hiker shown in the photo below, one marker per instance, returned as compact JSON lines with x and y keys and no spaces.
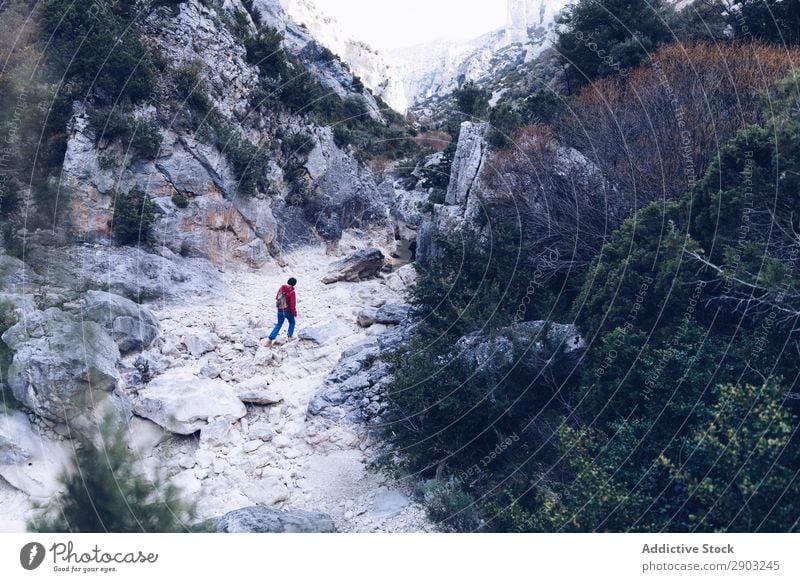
{"x":286,"y":302}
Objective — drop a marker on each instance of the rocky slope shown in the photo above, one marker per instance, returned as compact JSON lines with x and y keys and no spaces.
{"x":433,"y":70}
{"x":367,"y":63}
{"x":228,"y":418}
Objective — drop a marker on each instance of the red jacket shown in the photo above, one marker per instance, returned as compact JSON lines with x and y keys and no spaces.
{"x":288,"y":290}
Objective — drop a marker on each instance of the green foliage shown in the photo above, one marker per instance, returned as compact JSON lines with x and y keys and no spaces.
{"x":102,"y":52}
{"x":776,"y":21}
{"x":738,"y":473}
{"x":265,"y":50}
{"x":180,"y":200}
{"x":607,"y":37}
{"x":450,"y":507}
{"x":134,"y":215}
{"x":191,"y":90}
{"x":472,"y":100}
{"x":9,"y":197}
{"x":7,"y":319}
{"x":505,"y":121}
{"x":141,"y":136}
{"x":297,"y":145}
{"x":437,"y":176}
{"x":106,"y":492}
{"x":642,"y":276}
{"x":586,"y":497}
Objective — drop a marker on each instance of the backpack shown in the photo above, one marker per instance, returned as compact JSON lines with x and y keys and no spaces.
{"x":282,"y":301}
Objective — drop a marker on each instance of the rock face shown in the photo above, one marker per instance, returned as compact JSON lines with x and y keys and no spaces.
{"x":183,"y":404}
{"x":350,"y":194}
{"x":28,"y":461}
{"x":433,"y":70}
{"x":132,"y":326}
{"x":364,"y":61}
{"x":265,"y":520}
{"x":468,"y":162}
{"x":192,"y":34}
{"x":354,"y":388}
{"x":458,"y":215}
{"x":541,"y":341}
{"x":129,"y":272}
{"x":61,"y":367}
{"x":356,"y":267}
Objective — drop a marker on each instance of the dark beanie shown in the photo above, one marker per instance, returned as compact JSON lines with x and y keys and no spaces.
{"x":292,"y":281}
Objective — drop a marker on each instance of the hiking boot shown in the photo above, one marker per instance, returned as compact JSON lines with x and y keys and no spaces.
{"x":270,"y":343}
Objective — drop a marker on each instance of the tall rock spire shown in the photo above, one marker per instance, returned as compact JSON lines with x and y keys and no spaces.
{"x":517,"y":23}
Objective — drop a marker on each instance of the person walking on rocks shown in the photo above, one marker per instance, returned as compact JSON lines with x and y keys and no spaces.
{"x":286,"y":301}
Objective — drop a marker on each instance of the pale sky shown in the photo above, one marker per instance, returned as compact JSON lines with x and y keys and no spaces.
{"x":391,"y":24}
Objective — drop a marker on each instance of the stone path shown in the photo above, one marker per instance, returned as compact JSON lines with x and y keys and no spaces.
{"x":266,"y":458}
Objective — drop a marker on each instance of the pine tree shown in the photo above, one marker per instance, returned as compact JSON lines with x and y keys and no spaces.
{"x":605,"y":37}
{"x":106,"y":493}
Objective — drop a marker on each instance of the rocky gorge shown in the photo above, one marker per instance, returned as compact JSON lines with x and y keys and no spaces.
{"x":169,"y":335}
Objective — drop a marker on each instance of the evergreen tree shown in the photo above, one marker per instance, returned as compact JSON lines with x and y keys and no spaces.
{"x":106,"y":493}
{"x":605,"y":37}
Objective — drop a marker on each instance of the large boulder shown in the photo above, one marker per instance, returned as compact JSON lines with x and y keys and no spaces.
{"x":390,"y":314}
{"x":182,"y":403}
{"x":265,"y":520}
{"x":468,"y":162}
{"x":28,"y":461}
{"x":61,"y":367}
{"x":356,"y":267}
{"x":132,"y":326}
{"x":536,"y":343}
{"x":324,"y":334}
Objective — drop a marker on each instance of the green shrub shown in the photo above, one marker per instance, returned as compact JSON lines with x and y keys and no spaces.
{"x":103,"y":52}
{"x":9,"y":197}
{"x":147,"y":138}
{"x":180,"y":200}
{"x":297,"y":145}
{"x":450,"y":508}
{"x":739,"y":472}
{"x":606,"y":37}
{"x":106,"y":492}
{"x":265,"y":50}
{"x":472,"y":100}
{"x":134,"y":215}
{"x":7,"y":319}
{"x":140,"y":136}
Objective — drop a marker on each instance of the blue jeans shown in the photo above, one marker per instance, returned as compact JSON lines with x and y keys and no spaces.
{"x":283,"y":315}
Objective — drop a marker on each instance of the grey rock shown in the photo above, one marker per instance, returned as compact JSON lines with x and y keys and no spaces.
{"x":261,"y":431}
{"x":541,"y":343}
{"x":267,"y":491}
{"x":323,"y":334}
{"x":266,"y":520}
{"x":259,"y":397}
{"x":61,"y":367}
{"x":202,"y":343}
{"x":132,"y":326}
{"x":356,"y":267}
{"x":183,"y":403}
{"x":216,"y":433}
{"x":390,"y":314}
{"x":130,"y":272}
{"x":389,"y":503}
{"x":468,"y":162}
{"x":17,"y":276}
{"x":29,"y":461}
